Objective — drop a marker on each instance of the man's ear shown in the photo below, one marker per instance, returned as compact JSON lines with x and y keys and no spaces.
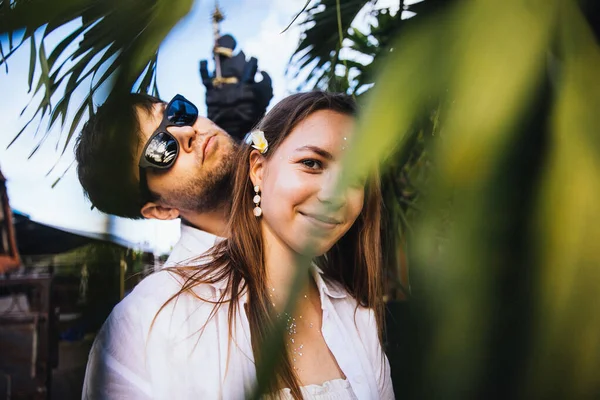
{"x":152,"y":210}
{"x":257,"y":167}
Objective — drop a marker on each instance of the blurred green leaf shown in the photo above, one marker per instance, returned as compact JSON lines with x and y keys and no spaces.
{"x":275,"y":344}
{"x":487,"y":66}
{"x":388,"y":117}
{"x":568,"y":323}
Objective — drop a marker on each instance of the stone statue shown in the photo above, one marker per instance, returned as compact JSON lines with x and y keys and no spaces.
{"x":234,"y":99}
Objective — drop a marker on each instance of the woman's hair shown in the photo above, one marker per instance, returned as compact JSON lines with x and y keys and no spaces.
{"x":354,"y":261}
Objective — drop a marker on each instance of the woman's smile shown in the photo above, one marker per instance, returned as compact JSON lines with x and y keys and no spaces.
{"x":321,"y":221}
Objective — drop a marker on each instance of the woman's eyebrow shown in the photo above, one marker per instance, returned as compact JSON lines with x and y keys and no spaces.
{"x":323,"y":153}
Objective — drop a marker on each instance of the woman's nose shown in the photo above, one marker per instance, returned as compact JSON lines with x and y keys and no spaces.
{"x":185,"y":135}
{"x":329,"y":192}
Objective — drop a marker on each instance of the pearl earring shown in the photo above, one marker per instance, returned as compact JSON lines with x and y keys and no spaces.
{"x":256,"y":200}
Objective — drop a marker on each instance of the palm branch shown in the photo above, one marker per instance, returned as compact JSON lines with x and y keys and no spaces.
{"x":327,"y":31}
{"x":110,"y":47}
{"x":319,"y":47}
{"x":364,"y":53}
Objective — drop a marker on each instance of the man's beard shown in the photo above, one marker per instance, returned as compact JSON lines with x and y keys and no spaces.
{"x":206,"y":192}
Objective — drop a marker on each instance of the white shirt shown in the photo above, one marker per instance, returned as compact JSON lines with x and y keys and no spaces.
{"x":336,"y":389}
{"x":176,"y":361}
{"x":192,"y":243}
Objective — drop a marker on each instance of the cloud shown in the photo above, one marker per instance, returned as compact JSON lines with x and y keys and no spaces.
{"x":273,"y":48}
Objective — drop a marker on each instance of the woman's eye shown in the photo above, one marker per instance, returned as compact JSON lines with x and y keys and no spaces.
{"x":311,"y":164}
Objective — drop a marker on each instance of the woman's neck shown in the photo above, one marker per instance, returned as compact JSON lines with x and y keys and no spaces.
{"x":283,"y":266}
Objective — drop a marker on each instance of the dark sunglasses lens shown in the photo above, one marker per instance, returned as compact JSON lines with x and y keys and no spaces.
{"x":162,"y":150}
{"x":182,"y":113}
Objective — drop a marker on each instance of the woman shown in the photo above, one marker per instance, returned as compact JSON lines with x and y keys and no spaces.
{"x":198,"y":332}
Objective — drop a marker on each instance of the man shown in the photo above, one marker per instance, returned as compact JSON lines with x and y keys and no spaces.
{"x":142,"y":158}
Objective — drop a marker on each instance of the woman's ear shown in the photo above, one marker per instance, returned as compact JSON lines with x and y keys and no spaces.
{"x":257,"y":166}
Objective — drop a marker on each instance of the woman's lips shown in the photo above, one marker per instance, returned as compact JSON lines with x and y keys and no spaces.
{"x":321,"y":220}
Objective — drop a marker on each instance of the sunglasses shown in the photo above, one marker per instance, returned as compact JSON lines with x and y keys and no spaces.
{"x":162,"y":148}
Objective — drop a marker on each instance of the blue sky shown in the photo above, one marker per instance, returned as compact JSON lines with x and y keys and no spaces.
{"x":256,"y":24}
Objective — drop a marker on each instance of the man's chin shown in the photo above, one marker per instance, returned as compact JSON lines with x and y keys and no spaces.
{"x":214,"y":194}
{"x":210,"y":189}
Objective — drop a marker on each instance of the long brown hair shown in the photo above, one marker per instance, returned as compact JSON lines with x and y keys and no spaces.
{"x":355,"y":260}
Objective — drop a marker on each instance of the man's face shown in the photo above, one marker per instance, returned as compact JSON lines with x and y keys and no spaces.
{"x":200,"y":178}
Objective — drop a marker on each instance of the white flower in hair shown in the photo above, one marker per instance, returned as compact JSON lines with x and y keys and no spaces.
{"x":258,"y":141}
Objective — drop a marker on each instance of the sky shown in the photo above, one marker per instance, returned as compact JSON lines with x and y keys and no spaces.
{"x":257,"y":27}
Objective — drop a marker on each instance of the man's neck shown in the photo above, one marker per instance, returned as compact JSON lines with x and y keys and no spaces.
{"x":214,"y":222}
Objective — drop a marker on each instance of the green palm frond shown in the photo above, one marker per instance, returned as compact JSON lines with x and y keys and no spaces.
{"x":320,"y":42}
{"x":112,"y":46}
{"x":320,"y":52}
{"x":353,"y":69}
{"x":509,"y":294}
{"x":373,"y":45}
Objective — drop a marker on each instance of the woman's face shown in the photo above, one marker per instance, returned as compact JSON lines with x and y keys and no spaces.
{"x":301,"y":208}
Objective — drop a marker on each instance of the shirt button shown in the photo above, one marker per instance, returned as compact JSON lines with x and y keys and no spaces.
{"x":359,"y":379}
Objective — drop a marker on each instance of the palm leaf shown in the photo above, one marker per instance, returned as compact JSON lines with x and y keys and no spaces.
{"x":509,"y":295}
{"x":319,"y":46}
{"x":319,"y":49}
{"x":114,"y":40}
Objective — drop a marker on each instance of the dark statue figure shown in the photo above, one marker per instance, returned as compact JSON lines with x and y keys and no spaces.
{"x":234,"y":99}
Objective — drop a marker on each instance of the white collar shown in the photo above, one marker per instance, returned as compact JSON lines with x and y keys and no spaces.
{"x":191,"y":235}
{"x":326,"y":286}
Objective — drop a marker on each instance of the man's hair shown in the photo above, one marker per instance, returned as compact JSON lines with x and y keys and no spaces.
{"x":106,"y":155}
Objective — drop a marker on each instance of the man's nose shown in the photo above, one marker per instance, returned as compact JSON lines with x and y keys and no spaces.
{"x":185,"y":135}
